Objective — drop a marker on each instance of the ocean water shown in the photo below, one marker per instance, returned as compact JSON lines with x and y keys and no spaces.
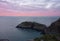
{"x":9,"y":31}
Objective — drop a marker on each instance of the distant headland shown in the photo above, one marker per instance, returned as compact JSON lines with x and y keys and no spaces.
{"x":52,"y":32}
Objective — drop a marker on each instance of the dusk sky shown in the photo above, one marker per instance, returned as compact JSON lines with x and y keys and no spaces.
{"x":29,"y":7}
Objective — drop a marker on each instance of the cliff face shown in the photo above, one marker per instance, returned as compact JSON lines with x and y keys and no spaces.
{"x":54,"y":28}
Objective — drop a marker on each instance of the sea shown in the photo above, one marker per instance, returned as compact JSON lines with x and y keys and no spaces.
{"x":9,"y":31}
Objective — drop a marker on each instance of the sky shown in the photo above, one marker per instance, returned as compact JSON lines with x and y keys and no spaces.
{"x":29,"y":7}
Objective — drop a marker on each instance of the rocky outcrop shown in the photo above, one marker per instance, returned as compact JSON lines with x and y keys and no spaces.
{"x":32,"y":25}
{"x":54,"y":28}
{"x":4,"y":40}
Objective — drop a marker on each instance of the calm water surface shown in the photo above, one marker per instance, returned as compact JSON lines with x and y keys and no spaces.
{"x":9,"y":31}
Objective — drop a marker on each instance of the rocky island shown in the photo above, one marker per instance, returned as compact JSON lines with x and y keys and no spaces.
{"x":32,"y":25}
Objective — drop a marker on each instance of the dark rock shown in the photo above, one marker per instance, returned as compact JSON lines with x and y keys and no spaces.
{"x":54,"y":28}
{"x":4,"y":40}
{"x":32,"y":25}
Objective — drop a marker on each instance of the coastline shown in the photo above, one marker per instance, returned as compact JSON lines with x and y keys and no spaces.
{"x":52,"y":30}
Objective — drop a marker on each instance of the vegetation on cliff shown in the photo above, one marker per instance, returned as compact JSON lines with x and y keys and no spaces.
{"x":48,"y":37}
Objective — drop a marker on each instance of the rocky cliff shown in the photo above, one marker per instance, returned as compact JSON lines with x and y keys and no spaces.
{"x":54,"y":28}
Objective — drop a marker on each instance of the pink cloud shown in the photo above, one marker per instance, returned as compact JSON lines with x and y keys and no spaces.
{"x":3,"y":5}
{"x":5,"y":11}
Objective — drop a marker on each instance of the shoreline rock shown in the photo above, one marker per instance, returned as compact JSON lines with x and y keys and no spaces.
{"x":4,"y":40}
